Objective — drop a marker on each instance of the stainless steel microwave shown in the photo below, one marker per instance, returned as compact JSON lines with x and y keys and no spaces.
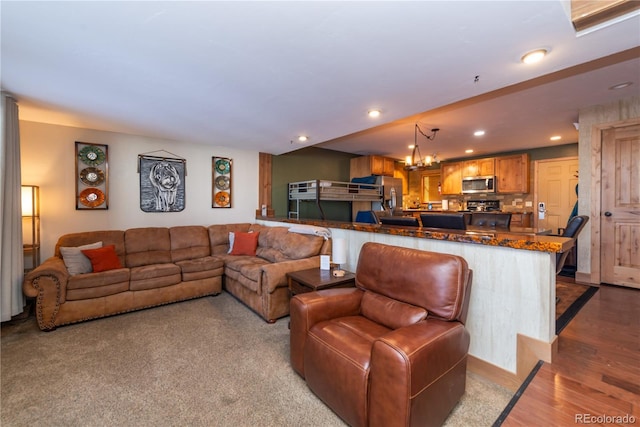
{"x":478,"y":184}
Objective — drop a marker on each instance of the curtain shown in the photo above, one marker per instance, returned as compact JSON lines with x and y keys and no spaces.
{"x":11,"y":254}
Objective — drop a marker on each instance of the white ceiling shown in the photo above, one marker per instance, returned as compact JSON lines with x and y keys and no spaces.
{"x":256,"y":75}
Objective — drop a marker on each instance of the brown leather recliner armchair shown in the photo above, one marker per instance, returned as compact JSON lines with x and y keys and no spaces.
{"x":393,"y":350}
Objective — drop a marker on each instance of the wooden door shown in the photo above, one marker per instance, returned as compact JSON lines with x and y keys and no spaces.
{"x":556,"y":184}
{"x":620,"y":210}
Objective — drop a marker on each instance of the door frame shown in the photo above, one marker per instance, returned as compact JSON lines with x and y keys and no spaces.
{"x":536,"y":187}
{"x":595,"y":276}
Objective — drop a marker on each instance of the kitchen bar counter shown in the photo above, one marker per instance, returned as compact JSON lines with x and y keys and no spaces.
{"x":520,"y":218}
{"x":515,"y":237}
{"x":511,"y":316}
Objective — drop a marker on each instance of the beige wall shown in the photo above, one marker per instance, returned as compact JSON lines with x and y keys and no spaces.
{"x":589,"y":156}
{"x":48,"y":160}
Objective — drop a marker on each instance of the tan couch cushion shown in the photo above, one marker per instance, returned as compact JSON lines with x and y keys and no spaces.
{"x":154,"y":276}
{"x":277,"y":244}
{"x":94,"y":285}
{"x":147,"y":246}
{"x":201,"y":268}
{"x":246,"y":270}
{"x":189,"y":242}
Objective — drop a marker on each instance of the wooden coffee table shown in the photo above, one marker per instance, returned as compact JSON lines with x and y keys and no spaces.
{"x":315,"y":279}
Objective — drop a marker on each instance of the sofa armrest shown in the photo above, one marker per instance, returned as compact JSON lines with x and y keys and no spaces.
{"x":274,"y":275}
{"x":48,"y":284}
{"x":409,"y":360}
{"x":52,"y":267}
{"x":310,"y":308}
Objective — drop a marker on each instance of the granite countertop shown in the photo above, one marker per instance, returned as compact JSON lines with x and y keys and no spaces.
{"x":514,"y":237}
{"x":521,"y":212}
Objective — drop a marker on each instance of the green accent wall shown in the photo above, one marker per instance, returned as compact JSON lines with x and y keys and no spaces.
{"x":310,"y":163}
{"x":553,"y":152}
{"x":558,"y":151}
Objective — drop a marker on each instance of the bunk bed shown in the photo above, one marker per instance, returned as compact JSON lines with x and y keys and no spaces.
{"x":323,"y":190}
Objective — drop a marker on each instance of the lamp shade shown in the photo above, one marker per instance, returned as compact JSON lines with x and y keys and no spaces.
{"x":339,"y":251}
{"x":30,"y":200}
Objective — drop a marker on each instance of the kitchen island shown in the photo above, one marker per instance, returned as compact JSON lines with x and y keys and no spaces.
{"x":512,"y":306}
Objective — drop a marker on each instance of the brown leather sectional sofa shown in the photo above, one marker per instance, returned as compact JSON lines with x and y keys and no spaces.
{"x":161,"y":265}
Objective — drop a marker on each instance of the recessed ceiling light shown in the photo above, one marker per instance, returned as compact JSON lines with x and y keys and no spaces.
{"x":303,"y":138}
{"x":478,"y":133}
{"x":534,"y":56}
{"x":374,"y":113}
{"x":555,"y":138}
{"x":620,"y":85}
{"x":469,"y":151}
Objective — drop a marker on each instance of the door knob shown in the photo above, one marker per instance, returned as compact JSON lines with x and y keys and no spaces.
{"x":608,"y":213}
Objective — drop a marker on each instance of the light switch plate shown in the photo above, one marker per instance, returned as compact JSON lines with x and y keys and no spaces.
{"x":528,"y":203}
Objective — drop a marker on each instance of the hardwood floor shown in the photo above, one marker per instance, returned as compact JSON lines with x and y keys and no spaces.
{"x":596,"y":373}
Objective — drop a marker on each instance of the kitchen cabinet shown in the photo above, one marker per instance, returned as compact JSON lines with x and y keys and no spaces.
{"x":372,"y":165}
{"x":479,"y":167}
{"x":512,"y":173}
{"x":451,"y":176}
{"x":382,"y":166}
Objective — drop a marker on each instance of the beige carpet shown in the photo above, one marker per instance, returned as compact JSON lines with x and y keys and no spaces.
{"x":205,"y":362}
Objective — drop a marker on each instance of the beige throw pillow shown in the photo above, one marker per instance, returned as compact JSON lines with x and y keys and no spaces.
{"x":75,"y":261}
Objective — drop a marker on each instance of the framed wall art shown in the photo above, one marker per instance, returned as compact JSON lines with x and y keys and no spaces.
{"x":162,"y":183}
{"x":221,"y":182}
{"x":92,"y":176}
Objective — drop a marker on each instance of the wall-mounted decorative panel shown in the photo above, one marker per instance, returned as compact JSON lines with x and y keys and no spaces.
{"x":92,"y":176}
{"x":221,"y":182}
{"x":162,"y":183}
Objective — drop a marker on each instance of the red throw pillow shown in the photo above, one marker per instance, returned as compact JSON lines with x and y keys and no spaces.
{"x":103,"y":259}
{"x":245,"y":243}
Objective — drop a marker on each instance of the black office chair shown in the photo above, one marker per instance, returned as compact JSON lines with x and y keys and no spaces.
{"x":493,"y":220}
{"x":451,"y":221}
{"x":574,"y":226}
{"x":403,"y":221}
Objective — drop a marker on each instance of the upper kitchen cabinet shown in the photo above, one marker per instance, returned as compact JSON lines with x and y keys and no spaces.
{"x":478,"y":167}
{"x":451,"y":176}
{"x":512,"y":173}
{"x":372,"y":165}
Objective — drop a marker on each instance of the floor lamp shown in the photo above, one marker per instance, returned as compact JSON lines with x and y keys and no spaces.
{"x":31,"y":226}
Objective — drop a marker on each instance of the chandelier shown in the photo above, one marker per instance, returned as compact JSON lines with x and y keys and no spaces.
{"x":415,"y":161}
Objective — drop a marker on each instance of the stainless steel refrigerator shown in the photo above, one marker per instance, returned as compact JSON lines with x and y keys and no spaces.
{"x":392,"y":200}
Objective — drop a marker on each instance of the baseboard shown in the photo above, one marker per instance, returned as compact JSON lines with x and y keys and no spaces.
{"x":530,"y":351}
{"x":493,"y":373}
{"x":584,"y":278}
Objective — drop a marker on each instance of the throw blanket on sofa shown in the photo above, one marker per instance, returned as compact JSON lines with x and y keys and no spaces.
{"x":311,"y":229}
